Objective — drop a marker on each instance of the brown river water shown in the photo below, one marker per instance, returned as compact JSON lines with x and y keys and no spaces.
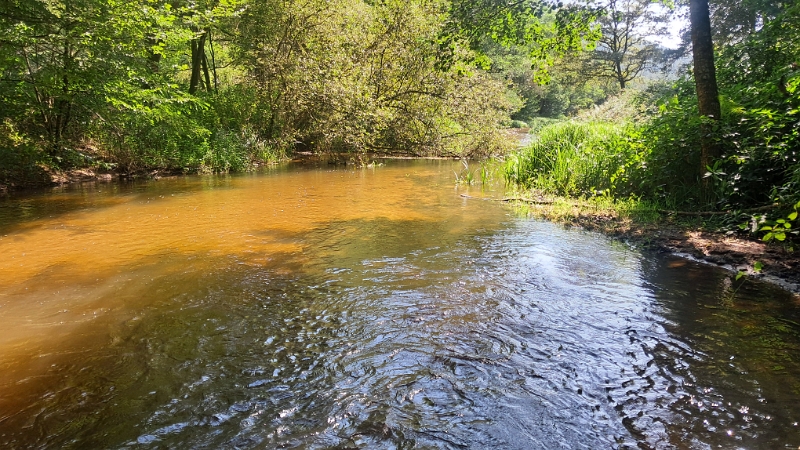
{"x":335,"y":308}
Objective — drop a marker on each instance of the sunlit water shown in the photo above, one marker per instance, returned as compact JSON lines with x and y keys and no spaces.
{"x":376,"y":308}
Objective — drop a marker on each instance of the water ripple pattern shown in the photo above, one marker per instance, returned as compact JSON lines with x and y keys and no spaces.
{"x":449,"y":324}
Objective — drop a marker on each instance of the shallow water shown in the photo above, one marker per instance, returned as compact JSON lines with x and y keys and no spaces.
{"x":376,"y":308}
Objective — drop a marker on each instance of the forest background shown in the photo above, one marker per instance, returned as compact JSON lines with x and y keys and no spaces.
{"x":128,"y":87}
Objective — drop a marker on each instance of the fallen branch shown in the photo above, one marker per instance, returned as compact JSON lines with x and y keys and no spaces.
{"x":530,"y":200}
{"x":480,"y":198}
{"x":518,"y":199}
{"x":718,"y":213}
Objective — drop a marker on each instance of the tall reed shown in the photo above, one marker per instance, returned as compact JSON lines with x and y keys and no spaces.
{"x":576,"y":159}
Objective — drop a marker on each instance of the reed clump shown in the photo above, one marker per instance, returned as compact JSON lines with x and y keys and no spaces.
{"x":576,"y":159}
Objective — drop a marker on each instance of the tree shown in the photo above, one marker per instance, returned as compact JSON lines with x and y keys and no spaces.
{"x":624,"y":49}
{"x":521,"y":23}
{"x":206,"y":19}
{"x":705,"y":80}
{"x":65,"y":61}
{"x":734,"y":21}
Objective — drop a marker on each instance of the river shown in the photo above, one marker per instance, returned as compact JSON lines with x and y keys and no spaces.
{"x":330,"y":307}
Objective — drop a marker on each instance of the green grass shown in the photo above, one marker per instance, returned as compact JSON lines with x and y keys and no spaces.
{"x":604,"y":212}
{"x":577,"y":159}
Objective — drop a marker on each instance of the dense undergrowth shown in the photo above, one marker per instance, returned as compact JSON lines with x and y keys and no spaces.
{"x":602,"y":162}
{"x":654,"y":158}
{"x":646,"y":145}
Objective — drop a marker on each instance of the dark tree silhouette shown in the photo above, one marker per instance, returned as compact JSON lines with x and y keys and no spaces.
{"x":705,"y":78}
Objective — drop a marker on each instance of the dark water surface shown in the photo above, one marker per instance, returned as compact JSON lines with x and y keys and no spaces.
{"x":334,"y":308}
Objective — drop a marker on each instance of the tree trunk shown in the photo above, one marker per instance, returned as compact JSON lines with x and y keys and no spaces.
{"x":206,"y":75}
{"x":195,"y":78}
{"x":705,"y":79}
{"x":213,"y":60}
{"x":198,"y":55}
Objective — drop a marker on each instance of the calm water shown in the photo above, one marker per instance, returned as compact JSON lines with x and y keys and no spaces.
{"x":333,"y":308}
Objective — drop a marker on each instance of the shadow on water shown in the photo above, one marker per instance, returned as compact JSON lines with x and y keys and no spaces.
{"x":21,"y":211}
{"x":740,"y":358}
{"x":386,"y":314}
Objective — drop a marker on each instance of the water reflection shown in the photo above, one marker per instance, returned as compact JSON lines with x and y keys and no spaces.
{"x":373,"y":309}
{"x":744,"y":338}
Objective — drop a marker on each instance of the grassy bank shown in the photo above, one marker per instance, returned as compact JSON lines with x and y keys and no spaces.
{"x":618,"y":178}
{"x":628,"y":162}
{"x":575,"y":159}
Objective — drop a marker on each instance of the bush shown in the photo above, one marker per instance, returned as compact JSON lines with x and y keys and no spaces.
{"x":19,"y":158}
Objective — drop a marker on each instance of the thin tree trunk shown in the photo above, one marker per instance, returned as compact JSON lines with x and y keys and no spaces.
{"x":206,"y":75}
{"x":705,"y":79}
{"x":213,"y":61}
{"x":198,"y":55}
{"x":195,"y":79}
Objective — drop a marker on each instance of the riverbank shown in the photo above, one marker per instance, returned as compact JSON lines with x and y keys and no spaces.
{"x":648,"y":228}
{"x":52,"y":178}
{"x":48,"y":177}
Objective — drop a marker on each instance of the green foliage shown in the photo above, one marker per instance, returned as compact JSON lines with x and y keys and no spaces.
{"x":567,"y":91}
{"x":538,"y":123}
{"x":19,"y":158}
{"x":669,"y":171}
{"x":373,"y":86}
{"x":779,"y":229}
{"x":577,"y":159}
{"x":227,"y":85}
{"x":758,"y":135}
{"x":515,"y":23}
{"x":658,"y":158}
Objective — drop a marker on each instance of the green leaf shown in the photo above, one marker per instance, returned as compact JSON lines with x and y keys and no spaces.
{"x":793,"y":216}
{"x":757,"y":266}
{"x":739,"y":275}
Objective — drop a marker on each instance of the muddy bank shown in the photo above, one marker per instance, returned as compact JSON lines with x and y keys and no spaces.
{"x":662,"y":233}
{"x":51,"y":178}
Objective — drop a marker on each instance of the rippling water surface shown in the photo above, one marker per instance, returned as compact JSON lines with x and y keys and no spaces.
{"x":332,"y":308}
